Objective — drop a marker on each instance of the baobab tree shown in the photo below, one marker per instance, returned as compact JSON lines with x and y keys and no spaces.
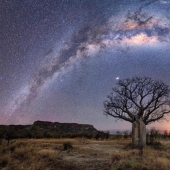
{"x":140,"y":101}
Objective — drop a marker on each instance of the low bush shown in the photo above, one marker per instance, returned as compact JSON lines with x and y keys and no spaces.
{"x":116,"y":157}
{"x":156,"y":145}
{"x":67,"y":145}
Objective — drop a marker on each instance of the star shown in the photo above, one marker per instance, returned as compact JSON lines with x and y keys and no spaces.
{"x":59,"y":59}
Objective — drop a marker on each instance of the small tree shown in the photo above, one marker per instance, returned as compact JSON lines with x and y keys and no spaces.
{"x":8,"y":135}
{"x":153,"y":134}
{"x":140,"y":101}
{"x":165,"y":134}
{"x":125,"y":134}
{"x":107,"y":134}
{"x":1,"y":136}
{"x":118,"y":134}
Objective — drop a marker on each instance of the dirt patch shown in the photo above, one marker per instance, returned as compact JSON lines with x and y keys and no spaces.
{"x":91,"y":155}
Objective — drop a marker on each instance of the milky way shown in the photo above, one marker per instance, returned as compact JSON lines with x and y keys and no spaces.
{"x":105,"y":36}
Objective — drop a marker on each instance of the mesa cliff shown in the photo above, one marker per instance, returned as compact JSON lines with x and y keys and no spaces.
{"x":46,"y":129}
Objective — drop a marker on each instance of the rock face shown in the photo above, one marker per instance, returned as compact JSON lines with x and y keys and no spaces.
{"x":45,"y":129}
{"x":72,"y":127}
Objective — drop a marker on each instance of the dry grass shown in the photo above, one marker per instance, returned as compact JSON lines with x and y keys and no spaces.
{"x":48,"y":154}
{"x":32,"y":155}
{"x":152,"y":159}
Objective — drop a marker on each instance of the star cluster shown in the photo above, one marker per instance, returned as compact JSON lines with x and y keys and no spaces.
{"x":60,"y":59}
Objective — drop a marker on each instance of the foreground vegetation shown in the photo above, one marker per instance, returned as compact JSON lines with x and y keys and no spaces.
{"x":81,"y":153}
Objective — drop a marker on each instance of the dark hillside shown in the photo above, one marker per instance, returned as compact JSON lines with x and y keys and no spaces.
{"x":46,"y":129}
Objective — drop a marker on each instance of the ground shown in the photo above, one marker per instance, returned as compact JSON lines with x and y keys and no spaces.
{"x":48,"y":154}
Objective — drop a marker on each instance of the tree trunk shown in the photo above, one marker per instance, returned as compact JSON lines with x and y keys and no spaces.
{"x":142,"y":133}
{"x":135,"y":135}
{"x":138,"y":133}
{"x":142,"y":136}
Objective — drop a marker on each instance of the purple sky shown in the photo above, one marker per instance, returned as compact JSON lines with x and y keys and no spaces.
{"x":60,"y":59}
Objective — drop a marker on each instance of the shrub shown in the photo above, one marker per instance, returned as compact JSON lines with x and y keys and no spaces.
{"x":4,"y":160}
{"x":67,"y":145}
{"x":116,"y":157}
{"x":156,"y":145}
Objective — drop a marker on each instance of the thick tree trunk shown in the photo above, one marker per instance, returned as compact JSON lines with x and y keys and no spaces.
{"x":135,"y":136}
{"x":142,"y":136}
{"x":142,"y":133}
{"x":138,"y":133}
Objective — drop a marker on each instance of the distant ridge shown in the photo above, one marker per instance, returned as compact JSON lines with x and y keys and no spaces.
{"x":47,"y":129}
{"x":64,"y":126}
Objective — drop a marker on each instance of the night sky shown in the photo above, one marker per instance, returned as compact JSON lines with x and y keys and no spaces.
{"x":59,"y":59}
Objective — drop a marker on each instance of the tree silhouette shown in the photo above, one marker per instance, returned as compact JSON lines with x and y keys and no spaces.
{"x":138,"y":99}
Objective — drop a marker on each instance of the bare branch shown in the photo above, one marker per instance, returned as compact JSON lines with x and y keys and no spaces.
{"x":138,"y":97}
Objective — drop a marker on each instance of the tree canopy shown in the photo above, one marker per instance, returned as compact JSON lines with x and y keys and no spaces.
{"x":138,"y":97}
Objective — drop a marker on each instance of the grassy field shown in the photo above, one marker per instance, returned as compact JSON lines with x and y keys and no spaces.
{"x":49,"y":154}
